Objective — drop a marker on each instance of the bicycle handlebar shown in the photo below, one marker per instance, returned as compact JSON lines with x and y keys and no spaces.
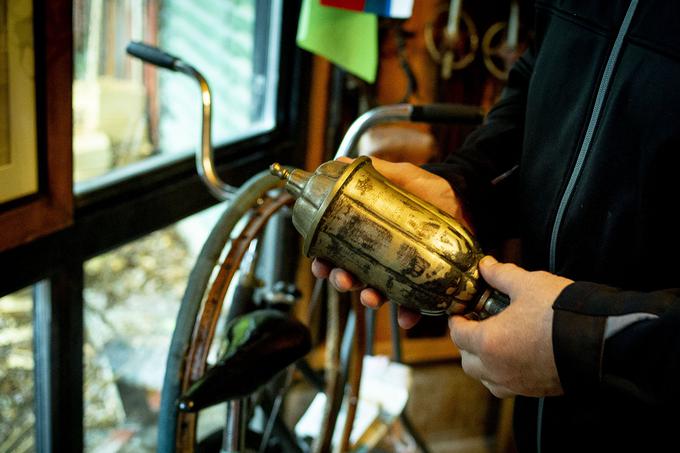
{"x":205,"y":156}
{"x":152,"y":55}
{"x":427,"y":113}
{"x":447,"y":113}
{"x":205,"y":162}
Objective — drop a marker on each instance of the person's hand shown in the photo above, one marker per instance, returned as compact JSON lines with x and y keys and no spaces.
{"x":512,"y":353}
{"x":421,"y":183}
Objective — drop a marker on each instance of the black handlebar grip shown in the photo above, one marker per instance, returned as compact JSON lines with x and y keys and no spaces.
{"x":447,"y":113}
{"x":151,"y":54}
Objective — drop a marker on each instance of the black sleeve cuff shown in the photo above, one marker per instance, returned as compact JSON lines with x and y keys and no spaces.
{"x":580,"y":316}
{"x":578,"y":340}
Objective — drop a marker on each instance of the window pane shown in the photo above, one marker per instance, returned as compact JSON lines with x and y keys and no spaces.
{"x":125,"y":111}
{"x":132,"y":296}
{"x":17,"y":416}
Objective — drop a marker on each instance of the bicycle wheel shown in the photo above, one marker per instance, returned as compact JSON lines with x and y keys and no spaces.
{"x":248,"y":196}
{"x":204,"y":325}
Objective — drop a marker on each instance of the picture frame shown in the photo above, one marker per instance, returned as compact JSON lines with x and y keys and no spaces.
{"x":36,"y":182}
{"x":18,"y":149}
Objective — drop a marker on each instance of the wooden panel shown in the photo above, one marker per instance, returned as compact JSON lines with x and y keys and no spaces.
{"x":414,"y":350}
{"x":318,"y":113}
{"x":422,"y":350}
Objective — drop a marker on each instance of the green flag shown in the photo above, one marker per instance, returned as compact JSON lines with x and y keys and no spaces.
{"x":347,"y":38}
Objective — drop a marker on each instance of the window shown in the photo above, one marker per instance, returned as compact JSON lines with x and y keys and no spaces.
{"x":132,"y":295}
{"x":126,"y":111}
{"x":140,"y":190}
{"x":17,"y":430}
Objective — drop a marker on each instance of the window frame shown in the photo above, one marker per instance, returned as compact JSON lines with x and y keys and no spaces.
{"x":168,"y":193}
{"x":122,"y":212}
{"x":51,"y":207}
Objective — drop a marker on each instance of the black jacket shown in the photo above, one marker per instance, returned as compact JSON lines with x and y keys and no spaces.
{"x":588,"y":130}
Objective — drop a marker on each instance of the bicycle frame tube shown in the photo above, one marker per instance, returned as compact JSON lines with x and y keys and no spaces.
{"x":233,"y":440}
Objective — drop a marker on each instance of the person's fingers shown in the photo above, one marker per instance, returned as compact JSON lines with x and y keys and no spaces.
{"x":320,"y":268}
{"x":505,"y":277}
{"x":344,"y":281}
{"x":371,"y":298}
{"x":399,"y":173}
{"x":465,"y":333}
{"x":394,"y":171}
{"x":486,"y":383}
{"x":496,"y":390}
{"x":407,"y":318}
{"x":472,"y":365}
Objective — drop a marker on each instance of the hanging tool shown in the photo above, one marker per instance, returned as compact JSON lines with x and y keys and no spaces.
{"x":459,"y":34}
{"x":507,"y":51}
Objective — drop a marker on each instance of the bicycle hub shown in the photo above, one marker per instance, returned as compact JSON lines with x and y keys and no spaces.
{"x":415,"y":254}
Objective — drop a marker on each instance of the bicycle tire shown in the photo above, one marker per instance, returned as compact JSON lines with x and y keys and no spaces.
{"x":195,"y":361}
{"x":246,"y":197}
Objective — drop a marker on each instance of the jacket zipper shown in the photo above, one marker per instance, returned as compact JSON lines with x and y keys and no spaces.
{"x":605,"y":81}
{"x":590,"y":131}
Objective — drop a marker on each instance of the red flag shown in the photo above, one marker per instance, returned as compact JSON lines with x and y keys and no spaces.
{"x":353,"y":5}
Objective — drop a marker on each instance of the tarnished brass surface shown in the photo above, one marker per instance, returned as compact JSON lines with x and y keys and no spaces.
{"x":415,"y":254}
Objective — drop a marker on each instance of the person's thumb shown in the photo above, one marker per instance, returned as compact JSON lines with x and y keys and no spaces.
{"x":394,"y":171}
{"x":464,"y":333}
{"x":505,"y":277}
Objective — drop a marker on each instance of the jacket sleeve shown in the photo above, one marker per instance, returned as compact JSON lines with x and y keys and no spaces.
{"x":482,"y":171}
{"x":623,"y":341}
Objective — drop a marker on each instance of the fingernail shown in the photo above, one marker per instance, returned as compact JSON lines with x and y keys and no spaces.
{"x":333,"y":277}
{"x":488,"y":260}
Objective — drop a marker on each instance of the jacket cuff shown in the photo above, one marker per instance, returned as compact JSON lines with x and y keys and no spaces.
{"x":578,"y":340}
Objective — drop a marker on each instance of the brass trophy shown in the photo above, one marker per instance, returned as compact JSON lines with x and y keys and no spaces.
{"x":415,"y":254}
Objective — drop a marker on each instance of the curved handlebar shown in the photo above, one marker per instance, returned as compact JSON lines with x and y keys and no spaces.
{"x":205,"y":156}
{"x":152,"y":55}
{"x":205,"y":161}
{"x":447,"y":113}
{"x":427,"y":113}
